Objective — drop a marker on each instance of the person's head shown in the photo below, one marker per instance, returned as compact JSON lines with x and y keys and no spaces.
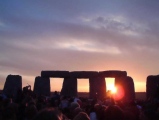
{"x":49,"y":114}
{"x":81,"y":116}
{"x":77,"y":111}
{"x":97,"y":107}
{"x":55,"y":93}
{"x":73,"y":106}
{"x":114,"y":112}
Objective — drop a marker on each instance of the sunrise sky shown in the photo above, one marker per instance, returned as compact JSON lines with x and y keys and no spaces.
{"x":79,"y":35}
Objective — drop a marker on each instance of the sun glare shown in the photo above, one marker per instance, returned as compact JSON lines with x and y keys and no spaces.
{"x":110,"y":84}
{"x":119,"y":93}
{"x":114,"y":90}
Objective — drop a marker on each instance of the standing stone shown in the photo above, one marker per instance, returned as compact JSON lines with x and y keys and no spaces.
{"x":42,"y":86}
{"x":12,"y":85}
{"x":129,"y":89}
{"x":97,"y":87}
{"x":127,"y":84}
{"x":92,"y":87}
{"x":100,"y":87}
{"x":69,"y":87}
{"x":152,"y":87}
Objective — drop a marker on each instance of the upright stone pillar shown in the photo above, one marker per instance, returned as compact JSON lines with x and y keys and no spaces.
{"x":42,"y":86}
{"x":12,"y":85}
{"x":121,"y":91}
{"x":130,"y":89}
{"x":69,"y":87}
{"x":100,"y":87}
{"x":152,"y":86}
{"x":126,"y":86}
{"x":93,"y":87}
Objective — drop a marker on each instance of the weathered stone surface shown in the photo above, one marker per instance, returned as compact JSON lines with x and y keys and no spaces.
{"x":57,"y":74}
{"x":152,"y":86}
{"x":83,"y":74}
{"x":113,"y":73}
{"x":69,"y":87}
{"x":42,"y":86}
{"x":128,"y":87}
{"x":12,"y":85}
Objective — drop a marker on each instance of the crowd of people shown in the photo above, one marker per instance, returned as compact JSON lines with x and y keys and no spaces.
{"x":27,"y":106}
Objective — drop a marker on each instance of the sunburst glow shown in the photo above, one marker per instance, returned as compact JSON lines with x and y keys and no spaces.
{"x":119,"y":94}
{"x":113,"y":90}
{"x":110,"y":84}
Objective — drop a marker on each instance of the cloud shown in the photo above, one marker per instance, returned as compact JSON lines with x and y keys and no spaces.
{"x":78,"y":35}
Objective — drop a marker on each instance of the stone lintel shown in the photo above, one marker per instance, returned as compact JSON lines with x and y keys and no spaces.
{"x":57,"y":74}
{"x":83,"y":74}
{"x":113,"y":73}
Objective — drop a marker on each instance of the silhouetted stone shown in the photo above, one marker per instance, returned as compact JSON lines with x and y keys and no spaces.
{"x":69,"y":87}
{"x":42,"y":86}
{"x":130,"y":89}
{"x":12,"y":85}
{"x":127,"y":84}
{"x":83,"y":74}
{"x":97,"y":84}
{"x":58,"y":74}
{"x":113,"y":73}
{"x":92,"y":87}
{"x":100,"y":87}
{"x":152,"y":86}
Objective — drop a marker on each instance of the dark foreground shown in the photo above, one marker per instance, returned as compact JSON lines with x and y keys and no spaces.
{"x":138,"y":95}
{"x":27,"y":106}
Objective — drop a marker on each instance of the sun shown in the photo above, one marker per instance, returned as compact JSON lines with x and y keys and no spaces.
{"x":113,"y":90}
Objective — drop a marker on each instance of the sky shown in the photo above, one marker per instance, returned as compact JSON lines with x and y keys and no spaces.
{"x":79,"y":35}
